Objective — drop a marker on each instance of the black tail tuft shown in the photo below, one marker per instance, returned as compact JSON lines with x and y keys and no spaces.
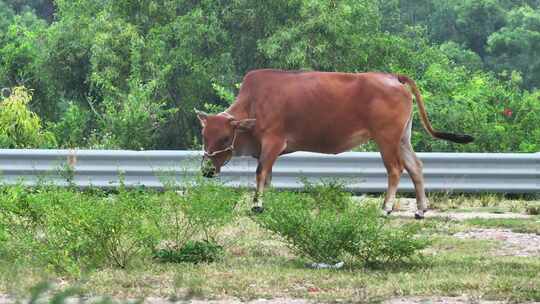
{"x":457,"y":138}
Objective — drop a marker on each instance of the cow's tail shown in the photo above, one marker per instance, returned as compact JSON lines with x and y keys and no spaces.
{"x":458,"y":138}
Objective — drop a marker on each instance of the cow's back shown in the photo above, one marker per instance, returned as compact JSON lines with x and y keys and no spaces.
{"x":323,"y":111}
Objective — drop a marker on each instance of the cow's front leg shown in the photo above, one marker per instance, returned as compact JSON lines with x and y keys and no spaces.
{"x":270,"y":150}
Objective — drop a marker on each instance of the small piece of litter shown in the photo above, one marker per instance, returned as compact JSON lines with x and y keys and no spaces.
{"x":326,"y":266}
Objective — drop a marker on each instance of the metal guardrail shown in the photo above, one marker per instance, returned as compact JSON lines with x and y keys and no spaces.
{"x":361,"y":172}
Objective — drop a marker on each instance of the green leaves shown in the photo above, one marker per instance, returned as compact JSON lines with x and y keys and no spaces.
{"x":325,"y":225}
{"x":20,"y":127}
{"x":323,"y":36}
{"x":74,"y":232}
{"x":72,"y":128}
{"x":131,"y":71}
{"x":192,"y":252}
{"x":516,"y":46}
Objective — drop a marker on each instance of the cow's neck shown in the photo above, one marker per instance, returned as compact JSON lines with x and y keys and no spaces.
{"x":239,"y":110}
{"x":246,"y":145}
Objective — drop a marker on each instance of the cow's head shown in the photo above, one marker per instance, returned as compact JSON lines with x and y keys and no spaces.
{"x":220,"y":134}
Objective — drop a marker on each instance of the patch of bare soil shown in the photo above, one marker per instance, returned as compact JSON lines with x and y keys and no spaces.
{"x":462,"y":216}
{"x":406,"y":300}
{"x":155,"y":300}
{"x":232,"y":301}
{"x":406,"y":208}
{"x":443,"y":300}
{"x":512,"y":243}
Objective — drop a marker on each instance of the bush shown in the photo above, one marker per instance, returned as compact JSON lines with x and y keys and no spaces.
{"x":120,"y":226}
{"x":72,"y":128}
{"x":532,"y":209}
{"x":20,"y":127}
{"x":500,"y":116}
{"x":192,"y":252}
{"x":329,"y":194}
{"x":197,"y":213}
{"x":324,"y":232}
{"x":71,"y":231}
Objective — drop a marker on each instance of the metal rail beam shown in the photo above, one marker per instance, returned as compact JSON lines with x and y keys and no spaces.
{"x":361,"y":172}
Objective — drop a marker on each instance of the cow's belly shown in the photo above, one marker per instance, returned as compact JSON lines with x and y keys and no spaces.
{"x":328,"y":143}
{"x":353,"y":140}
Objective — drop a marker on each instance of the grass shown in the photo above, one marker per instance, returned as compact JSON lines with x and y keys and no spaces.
{"x":485,"y":202}
{"x":516,"y":225}
{"x":481,"y":209}
{"x":258,"y":264}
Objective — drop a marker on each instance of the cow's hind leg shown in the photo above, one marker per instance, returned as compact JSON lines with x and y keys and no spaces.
{"x":414,"y":168}
{"x":394,"y":167}
{"x":270,"y":150}
{"x":268,"y":180}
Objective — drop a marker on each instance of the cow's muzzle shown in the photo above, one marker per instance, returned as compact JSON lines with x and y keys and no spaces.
{"x":208,"y":169}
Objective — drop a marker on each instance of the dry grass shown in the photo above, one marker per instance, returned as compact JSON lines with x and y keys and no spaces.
{"x":489,"y":202}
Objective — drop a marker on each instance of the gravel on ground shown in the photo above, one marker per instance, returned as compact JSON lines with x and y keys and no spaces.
{"x":512,"y":243}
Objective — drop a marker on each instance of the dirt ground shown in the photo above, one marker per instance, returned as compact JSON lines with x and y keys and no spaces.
{"x":462,"y":216}
{"x":443,"y":300}
{"x":512,"y":244}
{"x":408,"y":300}
{"x":407,"y":207}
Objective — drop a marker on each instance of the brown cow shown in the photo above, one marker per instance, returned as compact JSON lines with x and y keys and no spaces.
{"x":278,"y":112}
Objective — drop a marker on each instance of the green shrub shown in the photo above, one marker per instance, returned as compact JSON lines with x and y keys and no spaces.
{"x":119,"y":227}
{"x":20,"y":127}
{"x":192,"y":252}
{"x":532,"y":209}
{"x":328,"y":194}
{"x":197,"y":213}
{"x":500,"y":116}
{"x":72,"y":128}
{"x":73,"y":231}
{"x":131,"y":120}
{"x":327,"y":233}
{"x":70,"y":231}
{"x":19,"y":222}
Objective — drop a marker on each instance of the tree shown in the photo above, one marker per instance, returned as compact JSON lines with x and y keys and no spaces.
{"x":462,"y":56}
{"x":127,"y":74}
{"x":324,"y":35}
{"x":19,"y":56}
{"x":476,"y":20}
{"x":42,"y":8}
{"x":20,"y":127}
{"x":6,"y":17}
{"x":516,"y":47}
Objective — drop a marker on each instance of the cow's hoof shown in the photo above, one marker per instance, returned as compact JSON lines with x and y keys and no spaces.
{"x":385,"y":213}
{"x":419,"y":216}
{"x":257,"y":209}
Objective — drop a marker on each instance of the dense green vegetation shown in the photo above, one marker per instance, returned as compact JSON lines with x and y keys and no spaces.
{"x":127,"y":74}
{"x":203,"y":242}
{"x":327,"y":225}
{"x":72,"y":232}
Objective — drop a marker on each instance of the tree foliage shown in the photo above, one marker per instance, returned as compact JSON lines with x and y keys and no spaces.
{"x":20,"y":127}
{"x":127,"y":74}
{"x":517,"y":45}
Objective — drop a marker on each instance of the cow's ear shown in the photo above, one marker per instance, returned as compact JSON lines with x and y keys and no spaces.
{"x":202,"y":116}
{"x":244,"y":124}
